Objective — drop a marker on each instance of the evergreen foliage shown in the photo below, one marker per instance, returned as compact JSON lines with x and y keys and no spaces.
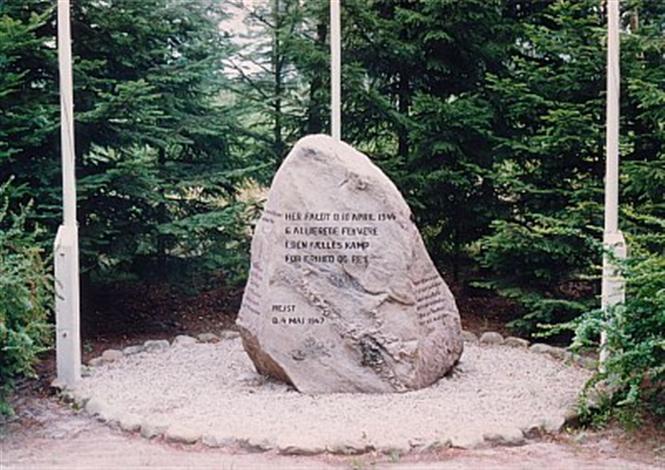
{"x":154,"y":146}
{"x":549,"y":158}
{"x":25,"y":296}
{"x":635,"y":368}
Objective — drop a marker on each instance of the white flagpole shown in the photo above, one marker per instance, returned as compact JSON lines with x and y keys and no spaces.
{"x":612,"y":283}
{"x":68,"y":351}
{"x":336,"y":70}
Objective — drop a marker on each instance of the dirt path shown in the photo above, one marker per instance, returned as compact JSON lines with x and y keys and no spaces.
{"x":51,"y":436}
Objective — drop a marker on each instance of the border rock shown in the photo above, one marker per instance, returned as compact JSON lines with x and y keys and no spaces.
{"x":255,"y":445}
{"x":96,"y":361}
{"x":181,"y":434}
{"x":491,"y":337}
{"x":468,"y":440}
{"x":208,"y":338}
{"x":469,"y":337}
{"x":506,"y":437}
{"x":130,"y":350}
{"x":559,"y":353}
{"x":184,"y":340}
{"x":554,"y":425}
{"x":515,"y":342}
{"x":213,"y":440}
{"x":229,"y":334}
{"x":349,"y":448}
{"x":129,"y":422}
{"x":540,"y":348}
{"x":111,"y":355}
{"x":153,"y":428}
{"x":95,"y":406}
{"x":58,"y":384}
{"x":156,"y":345}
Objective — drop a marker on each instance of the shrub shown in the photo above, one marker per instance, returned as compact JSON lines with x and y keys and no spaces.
{"x":635,"y":368}
{"x":25,"y":297}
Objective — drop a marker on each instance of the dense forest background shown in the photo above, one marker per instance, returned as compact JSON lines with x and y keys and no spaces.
{"x":488,"y":115}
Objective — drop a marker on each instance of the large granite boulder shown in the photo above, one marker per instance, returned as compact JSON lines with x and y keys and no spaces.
{"x":342,"y":295}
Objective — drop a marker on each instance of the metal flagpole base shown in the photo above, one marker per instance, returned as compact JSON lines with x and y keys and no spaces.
{"x":68,"y":342}
{"x":613,"y":290}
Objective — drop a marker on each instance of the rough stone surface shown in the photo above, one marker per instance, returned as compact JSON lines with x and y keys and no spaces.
{"x":491,"y":337}
{"x":182,"y":434}
{"x":153,"y":428}
{"x":256,"y":444}
{"x":229,"y":334}
{"x":467,"y":440}
{"x":109,"y":414}
{"x":96,"y":361}
{"x":540,"y":348}
{"x":507,"y":437}
{"x":215,"y":440}
{"x":95,"y":406}
{"x":129,"y":350}
{"x":469,"y":337}
{"x":515,"y":342}
{"x":155,"y":345}
{"x":111,"y":355}
{"x":348,"y":447}
{"x":300,"y":450}
{"x":572,"y":415}
{"x":58,"y":384}
{"x":129,"y":422}
{"x":208,"y":338}
{"x":554,"y":425}
{"x":78,"y":396}
{"x":184,"y":340}
{"x":342,"y":295}
{"x":559,"y":353}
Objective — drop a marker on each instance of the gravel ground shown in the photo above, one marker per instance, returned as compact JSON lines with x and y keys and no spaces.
{"x":211,"y":392}
{"x":50,"y":436}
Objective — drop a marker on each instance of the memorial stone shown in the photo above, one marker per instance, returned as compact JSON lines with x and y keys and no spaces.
{"x":342,"y":295}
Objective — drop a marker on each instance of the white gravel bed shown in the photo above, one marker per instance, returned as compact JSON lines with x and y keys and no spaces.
{"x":211,"y":392}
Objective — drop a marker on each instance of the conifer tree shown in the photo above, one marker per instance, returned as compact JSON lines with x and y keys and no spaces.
{"x":154,"y":146}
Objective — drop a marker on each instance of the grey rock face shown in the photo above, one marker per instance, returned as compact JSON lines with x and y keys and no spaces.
{"x":129,"y":350}
{"x":540,"y":348}
{"x":229,"y":334}
{"x":184,"y":340}
{"x":179,"y":433}
{"x":342,"y":295}
{"x":96,"y":361}
{"x":491,"y":337}
{"x":111,"y":355}
{"x":514,"y":342}
{"x":208,"y":338}
{"x":469,"y":337}
{"x":156,"y":345}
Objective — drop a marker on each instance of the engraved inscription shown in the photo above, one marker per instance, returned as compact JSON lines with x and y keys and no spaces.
{"x":331,"y":237}
{"x":254,"y":289}
{"x":430,"y":302}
